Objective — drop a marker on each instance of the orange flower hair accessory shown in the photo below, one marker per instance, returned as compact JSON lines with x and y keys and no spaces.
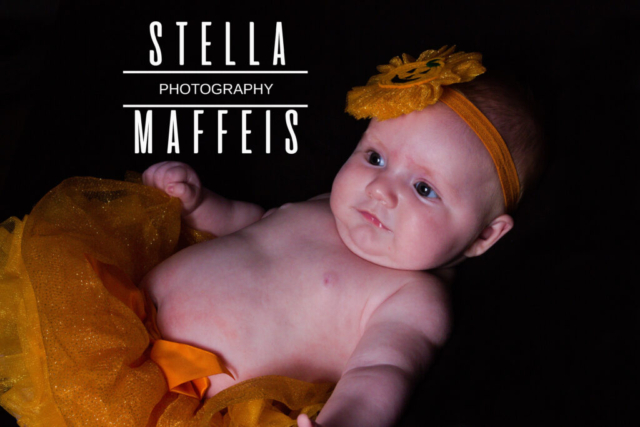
{"x":420,"y":81}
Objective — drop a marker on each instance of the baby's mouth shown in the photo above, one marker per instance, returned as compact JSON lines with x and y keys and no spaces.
{"x":373,"y":219}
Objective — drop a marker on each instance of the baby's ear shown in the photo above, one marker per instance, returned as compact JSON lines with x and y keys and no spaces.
{"x":490,"y":235}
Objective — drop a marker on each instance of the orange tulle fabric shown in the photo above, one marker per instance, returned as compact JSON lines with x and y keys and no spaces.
{"x":185,"y":367}
{"x":76,"y":352}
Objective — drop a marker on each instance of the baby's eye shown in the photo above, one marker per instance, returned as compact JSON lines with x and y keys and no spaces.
{"x":424,"y":190}
{"x":375,"y":158}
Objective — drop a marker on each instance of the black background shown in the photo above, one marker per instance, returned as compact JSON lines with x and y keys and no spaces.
{"x":545,"y":324}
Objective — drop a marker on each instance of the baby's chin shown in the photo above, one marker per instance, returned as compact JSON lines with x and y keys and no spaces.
{"x":360,"y":243}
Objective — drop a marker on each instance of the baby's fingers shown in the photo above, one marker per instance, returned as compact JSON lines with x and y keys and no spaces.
{"x":304,"y":421}
{"x":149,"y":175}
{"x":177,"y":180}
{"x":162,"y":174}
{"x":173,"y":174}
{"x":188,"y":195}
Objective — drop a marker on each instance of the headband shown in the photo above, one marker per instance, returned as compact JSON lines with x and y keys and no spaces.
{"x":407,"y":84}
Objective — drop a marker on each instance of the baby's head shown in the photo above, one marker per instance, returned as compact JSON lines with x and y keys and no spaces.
{"x":422,"y":191}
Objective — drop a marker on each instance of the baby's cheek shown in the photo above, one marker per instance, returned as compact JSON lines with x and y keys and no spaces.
{"x":345,"y":177}
{"x":337,"y":199}
{"x":420,"y":242}
{"x":336,"y":188}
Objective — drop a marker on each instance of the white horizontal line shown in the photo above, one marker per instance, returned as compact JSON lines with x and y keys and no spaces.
{"x":214,"y":72}
{"x":215,"y":106}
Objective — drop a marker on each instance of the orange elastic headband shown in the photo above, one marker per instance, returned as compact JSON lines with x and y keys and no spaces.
{"x":407,"y":84}
{"x":492,"y":140}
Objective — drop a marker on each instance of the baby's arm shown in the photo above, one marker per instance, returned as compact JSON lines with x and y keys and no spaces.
{"x":201,"y":209}
{"x":396,"y":348}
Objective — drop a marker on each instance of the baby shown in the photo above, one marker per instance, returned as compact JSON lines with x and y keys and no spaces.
{"x":349,"y":286}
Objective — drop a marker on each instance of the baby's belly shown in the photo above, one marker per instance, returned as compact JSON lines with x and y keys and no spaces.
{"x":258,"y":318}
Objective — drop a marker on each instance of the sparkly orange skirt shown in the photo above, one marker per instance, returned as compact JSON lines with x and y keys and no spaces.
{"x":71,"y":353}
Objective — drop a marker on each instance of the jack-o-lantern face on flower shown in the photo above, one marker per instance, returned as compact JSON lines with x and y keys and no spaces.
{"x":414,"y":73}
{"x":406,"y":84}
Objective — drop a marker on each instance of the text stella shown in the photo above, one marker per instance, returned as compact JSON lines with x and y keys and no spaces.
{"x":155,"y":55}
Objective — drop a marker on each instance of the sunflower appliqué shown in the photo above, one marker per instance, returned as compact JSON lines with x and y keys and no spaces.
{"x":407,"y":84}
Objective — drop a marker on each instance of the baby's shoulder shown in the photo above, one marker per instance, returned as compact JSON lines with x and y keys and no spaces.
{"x":421,"y":301}
{"x":318,"y":203}
{"x":321,"y":197}
{"x":425,"y":286}
{"x":300,"y":221}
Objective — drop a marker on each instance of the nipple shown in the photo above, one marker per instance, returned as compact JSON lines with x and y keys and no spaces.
{"x":330,"y":278}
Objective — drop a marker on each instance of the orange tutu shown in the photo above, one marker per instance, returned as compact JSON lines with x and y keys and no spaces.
{"x":72,"y":353}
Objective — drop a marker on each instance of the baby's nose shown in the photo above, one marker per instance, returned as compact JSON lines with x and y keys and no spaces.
{"x":382,"y":189}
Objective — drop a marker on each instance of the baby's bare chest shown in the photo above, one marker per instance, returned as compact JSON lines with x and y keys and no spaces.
{"x":282,"y":298}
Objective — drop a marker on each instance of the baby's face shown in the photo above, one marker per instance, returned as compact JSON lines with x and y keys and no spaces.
{"x":417,"y":191}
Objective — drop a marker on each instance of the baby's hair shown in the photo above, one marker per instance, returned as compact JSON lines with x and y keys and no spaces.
{"x":513,"y":111}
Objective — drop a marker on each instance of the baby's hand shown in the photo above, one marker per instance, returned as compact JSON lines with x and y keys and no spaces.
{"x":304,"y":421}
{"x":177,"y":180}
